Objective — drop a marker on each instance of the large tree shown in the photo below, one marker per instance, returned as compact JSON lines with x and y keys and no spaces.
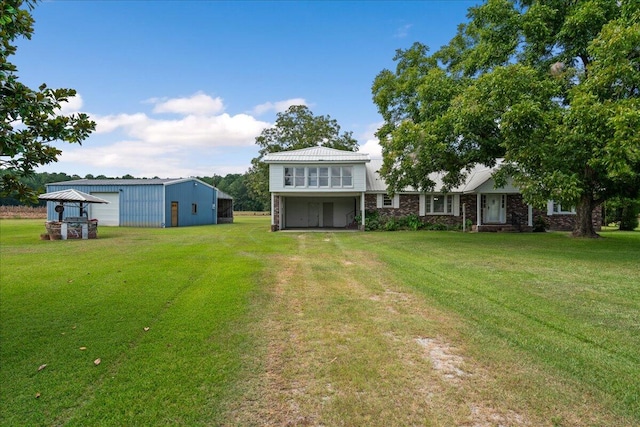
{"x":294,"y":129}
{"x":30,"y":119}
{"x":551,"y":86}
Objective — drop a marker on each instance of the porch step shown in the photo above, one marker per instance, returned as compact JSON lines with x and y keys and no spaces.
{"x":495,"y":228}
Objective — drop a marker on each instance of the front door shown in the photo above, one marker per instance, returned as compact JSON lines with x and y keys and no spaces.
{"x":494,"y":208}
{"x":174,"y":214}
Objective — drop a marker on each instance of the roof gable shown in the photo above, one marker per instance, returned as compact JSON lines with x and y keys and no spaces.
{"x":315,"y":155}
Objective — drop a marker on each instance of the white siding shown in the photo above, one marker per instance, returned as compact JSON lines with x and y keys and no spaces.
{"x":487,"y":187}
{"x":276,"y":179}
{"x":359,"y":177}
{"x":106,"y":214}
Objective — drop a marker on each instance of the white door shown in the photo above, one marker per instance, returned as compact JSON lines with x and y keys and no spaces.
{"x":106,"y":213}
{"x":494,"y":208}
{"x":314,"y":215}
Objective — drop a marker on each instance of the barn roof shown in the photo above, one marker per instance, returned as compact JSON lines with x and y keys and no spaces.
{"x":134,"y":181}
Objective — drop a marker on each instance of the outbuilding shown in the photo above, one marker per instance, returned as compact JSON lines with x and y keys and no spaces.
{"x":148,"y":202}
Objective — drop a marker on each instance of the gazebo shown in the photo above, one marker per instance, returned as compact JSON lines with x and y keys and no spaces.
{"x":71,"y":227}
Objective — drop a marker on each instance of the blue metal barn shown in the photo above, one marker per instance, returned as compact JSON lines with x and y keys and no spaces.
{"x":148,"y":202}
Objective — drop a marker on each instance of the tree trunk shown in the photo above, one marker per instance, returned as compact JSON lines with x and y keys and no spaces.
{"x":584,"y":218}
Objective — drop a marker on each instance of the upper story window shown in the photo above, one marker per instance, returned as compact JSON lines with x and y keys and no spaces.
{"x":439,"y":204}
{"x":294,"y":177}
{"x":318,"y":177}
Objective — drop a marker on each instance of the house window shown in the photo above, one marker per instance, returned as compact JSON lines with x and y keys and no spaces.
{"x":558,"y":209}
{"x":335,"y":176}
{"x":323,"y":177}
{"x":342,"y":176}
{"x":387,"y":202}
{"x":312,"y":180}
{"x":298,"y":177}
{"x":347,"y":176}
{"x":288,"y":177}
{"x":438,"y":204}
{"x":194,"y":208}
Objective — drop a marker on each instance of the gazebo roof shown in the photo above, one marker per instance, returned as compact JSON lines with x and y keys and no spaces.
{"x":71,"y":196}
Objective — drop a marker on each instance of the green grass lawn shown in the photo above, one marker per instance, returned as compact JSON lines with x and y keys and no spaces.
{"x":192,"y":287}
{"x":563,"y":312}
{"x":570,"y":306}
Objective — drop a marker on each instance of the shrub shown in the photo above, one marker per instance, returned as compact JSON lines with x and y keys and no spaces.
{"x":540,"y":225}
{"x":411,"y":222}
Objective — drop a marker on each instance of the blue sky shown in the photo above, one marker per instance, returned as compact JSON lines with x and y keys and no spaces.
{"x":182,"y":88}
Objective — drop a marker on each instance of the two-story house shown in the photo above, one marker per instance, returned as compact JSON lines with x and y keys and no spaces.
{"x":322,"y":187}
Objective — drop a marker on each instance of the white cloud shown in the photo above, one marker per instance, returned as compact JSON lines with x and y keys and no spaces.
{"x":142,"y":159}
{"x":107,"y":124}
{"x":371,"y":144}
{"x":278,"y":106}
{"x":222,"y":130}
{"x":198,"y":103}
{"x":199,"y":140}
{"x":73,"y":105}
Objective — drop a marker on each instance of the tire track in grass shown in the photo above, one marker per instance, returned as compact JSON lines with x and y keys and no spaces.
{"x":91,"y":389}
{"x":345,"y":347}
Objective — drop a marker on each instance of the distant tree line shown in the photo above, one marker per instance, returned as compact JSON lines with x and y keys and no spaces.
{"x":233,"y":184}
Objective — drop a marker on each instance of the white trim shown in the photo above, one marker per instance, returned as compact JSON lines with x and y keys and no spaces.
{"x":362,"y":209}
{"x":273,"y":218}
{"x":550,"y":207}
{"x":479,"y":209}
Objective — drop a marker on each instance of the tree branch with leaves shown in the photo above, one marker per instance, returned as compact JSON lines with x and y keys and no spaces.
{"x":550,"y":86}
{"x":30,"y":119}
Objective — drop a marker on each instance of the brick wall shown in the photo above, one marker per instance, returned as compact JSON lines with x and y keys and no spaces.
{"x":517,"y":210}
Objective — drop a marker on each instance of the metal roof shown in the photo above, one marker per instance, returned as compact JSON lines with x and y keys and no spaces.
{"x":71,"y":196}
{"x":134,"y":181}
{"x":475,"y":178}
{"x":223,"y":195}
{"x":315,"y":155}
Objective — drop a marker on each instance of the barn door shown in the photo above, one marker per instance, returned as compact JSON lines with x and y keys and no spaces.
{"x":174,"y":214}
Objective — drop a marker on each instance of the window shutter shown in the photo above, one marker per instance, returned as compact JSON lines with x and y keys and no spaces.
{"x":396,"y":201}
{"x":456,"y":205}
{"x":379,"y":201}
{"x":421,"y":204}
{"x":550,"y":207}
